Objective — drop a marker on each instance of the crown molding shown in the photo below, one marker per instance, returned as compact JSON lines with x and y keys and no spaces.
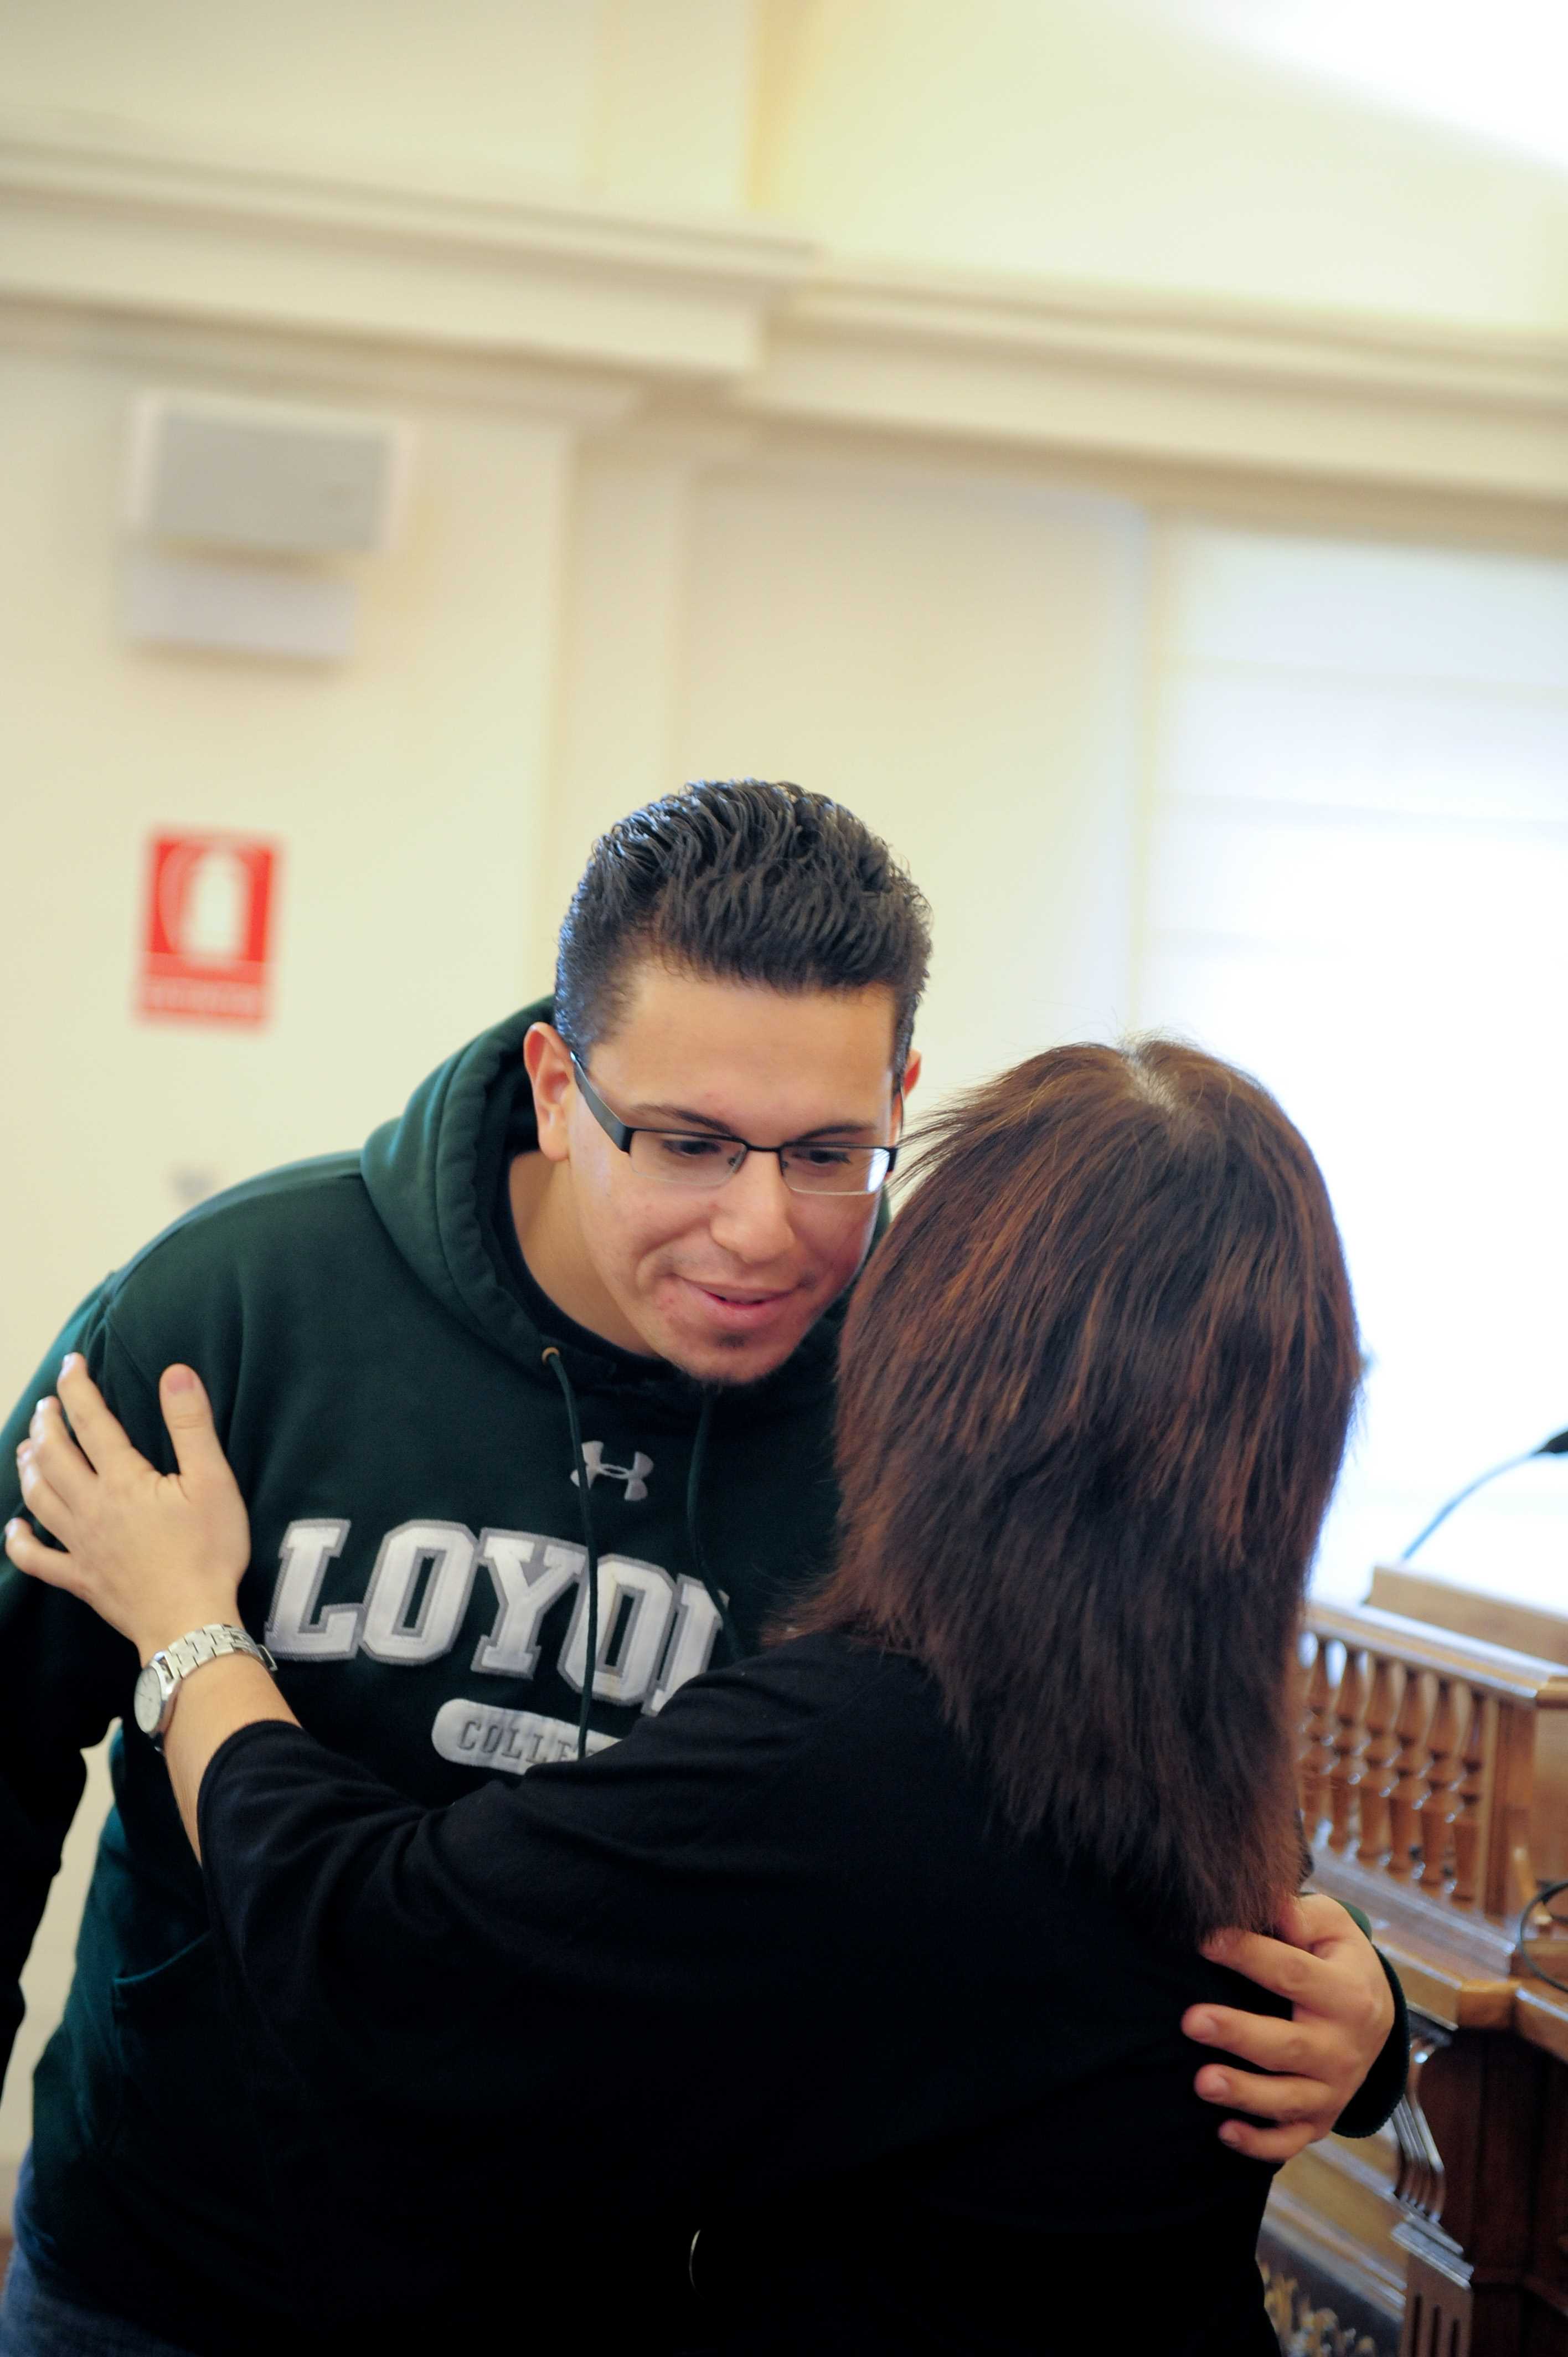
{"x":799,"y":448}
{"x":1178,"y":381}
{"x":1187,"y":334}
{"x":126,"y":223}
{"x":305,"y":367}
{"x":533,"y":293}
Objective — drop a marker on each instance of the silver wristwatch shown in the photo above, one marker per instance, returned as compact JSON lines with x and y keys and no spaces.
{"x":159,"y":1681}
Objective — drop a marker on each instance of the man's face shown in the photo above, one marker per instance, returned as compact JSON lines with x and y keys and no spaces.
{"x":723,"y":1282}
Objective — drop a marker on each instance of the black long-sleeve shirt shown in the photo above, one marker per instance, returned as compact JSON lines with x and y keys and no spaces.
{"x":769,"y":1968}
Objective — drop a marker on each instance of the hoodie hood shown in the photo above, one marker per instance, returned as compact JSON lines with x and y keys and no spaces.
{"x":433,"y":1174}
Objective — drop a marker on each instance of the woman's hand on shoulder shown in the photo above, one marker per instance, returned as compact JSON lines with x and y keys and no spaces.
{"x":153,"y":1553}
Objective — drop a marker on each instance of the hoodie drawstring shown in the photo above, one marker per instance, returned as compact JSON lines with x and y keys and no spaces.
{"x":552,"y":1359}
{"x":693,"y":1487}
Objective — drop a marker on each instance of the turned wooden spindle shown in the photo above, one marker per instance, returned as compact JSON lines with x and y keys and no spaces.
{"x":1510,"y":1879}
{"x":1470,"y":1793}
{"x":1444,"y":1768}
{"x":1410,"y":1772}
{"x":1349,"y":1731}
{"x":1317,"y":1739}
{"x":1377,"y":1761}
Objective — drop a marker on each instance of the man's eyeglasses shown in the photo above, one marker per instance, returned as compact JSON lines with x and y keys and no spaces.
{"x":686,"y":1158}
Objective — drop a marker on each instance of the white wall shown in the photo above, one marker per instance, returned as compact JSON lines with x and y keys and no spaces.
{"x":962,"y":668}
{"x":404,"y":786}
{"x":1117,"y":143}
{"x":645,"y":97}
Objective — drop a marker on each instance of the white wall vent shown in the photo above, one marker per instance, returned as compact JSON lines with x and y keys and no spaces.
{"x":224,"y":472}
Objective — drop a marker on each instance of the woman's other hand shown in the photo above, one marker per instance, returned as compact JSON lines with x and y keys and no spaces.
{"x":153,"y":1553}
{"x":1308,"y":2068}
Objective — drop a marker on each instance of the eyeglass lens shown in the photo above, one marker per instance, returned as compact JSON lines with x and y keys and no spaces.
{"x":697,"y":1161}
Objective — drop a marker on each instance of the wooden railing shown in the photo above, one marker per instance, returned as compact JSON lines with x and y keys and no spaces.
{"x":1423,"y":1755}
{"x":1434,"y":1780}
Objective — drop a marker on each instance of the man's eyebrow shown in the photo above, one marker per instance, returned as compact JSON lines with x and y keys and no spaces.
{"x":682,"y":1117}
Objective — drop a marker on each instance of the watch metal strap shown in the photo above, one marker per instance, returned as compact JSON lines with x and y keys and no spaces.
{"x":205,"y":1644}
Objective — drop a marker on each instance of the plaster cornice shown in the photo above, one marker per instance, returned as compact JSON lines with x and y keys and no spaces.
{"x":742,"y":317}
{"x":129,"y":224}
{"x":1193,"y":379}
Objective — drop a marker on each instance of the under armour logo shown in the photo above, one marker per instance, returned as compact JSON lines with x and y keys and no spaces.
{"x":634,"y":1475}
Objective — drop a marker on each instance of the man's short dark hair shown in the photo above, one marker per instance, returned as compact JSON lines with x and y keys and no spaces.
{"x":744,"y":881}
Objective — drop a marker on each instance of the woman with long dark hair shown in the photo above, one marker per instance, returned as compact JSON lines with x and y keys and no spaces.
{"x":957,"y":1837}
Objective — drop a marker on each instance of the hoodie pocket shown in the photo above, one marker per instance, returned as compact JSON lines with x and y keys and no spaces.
{"x":184,"y":2120}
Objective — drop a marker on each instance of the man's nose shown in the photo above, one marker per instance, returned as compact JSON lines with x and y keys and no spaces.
{"x":752,"y":1215}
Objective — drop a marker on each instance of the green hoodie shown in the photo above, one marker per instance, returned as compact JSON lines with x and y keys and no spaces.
{"x":417,"y":1530}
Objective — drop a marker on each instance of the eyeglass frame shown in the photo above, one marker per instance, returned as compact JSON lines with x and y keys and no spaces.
{"x":621,"y":1133}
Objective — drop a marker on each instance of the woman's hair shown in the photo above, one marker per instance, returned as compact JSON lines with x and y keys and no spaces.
{"x":1094,"y":1390}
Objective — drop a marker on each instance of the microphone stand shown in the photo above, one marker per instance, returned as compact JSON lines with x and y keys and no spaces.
{"x":1556,"y":1447}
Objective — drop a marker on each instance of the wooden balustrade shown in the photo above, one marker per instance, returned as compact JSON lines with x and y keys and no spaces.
{"x":1433,"y":1784}
{"x":1420,"y":1754}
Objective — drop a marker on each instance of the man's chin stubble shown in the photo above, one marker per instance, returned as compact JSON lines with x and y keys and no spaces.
{"x":722,"y":1378}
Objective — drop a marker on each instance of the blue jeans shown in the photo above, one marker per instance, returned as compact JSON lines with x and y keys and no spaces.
{"x":43,"y":2316}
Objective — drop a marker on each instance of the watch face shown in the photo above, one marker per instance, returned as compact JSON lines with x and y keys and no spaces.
{"x":149,"y":1699}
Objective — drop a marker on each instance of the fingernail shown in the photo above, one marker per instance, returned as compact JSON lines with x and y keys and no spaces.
{"x":1202,"y":2024}
{"x":68,"y":1361}
{"x":1229,"y":2134}
{"x":1215,"y":2083}
{"x":179,"y":1379}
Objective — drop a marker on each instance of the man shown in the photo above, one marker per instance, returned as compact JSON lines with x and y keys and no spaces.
{"x":579,"y":1303}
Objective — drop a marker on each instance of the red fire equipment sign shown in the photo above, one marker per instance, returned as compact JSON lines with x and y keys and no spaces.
{"x":205,"y":955}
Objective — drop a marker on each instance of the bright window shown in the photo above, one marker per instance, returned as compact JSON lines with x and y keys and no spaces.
{"x":1357,"y":887}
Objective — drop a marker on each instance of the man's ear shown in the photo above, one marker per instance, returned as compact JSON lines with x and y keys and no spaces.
{"x":910,"y":1081}
{"x":548,"y":1061}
